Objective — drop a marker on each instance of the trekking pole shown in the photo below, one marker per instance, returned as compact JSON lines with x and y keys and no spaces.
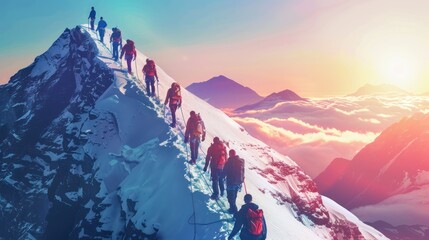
{"x":157,"y":88}
{"x":245,"y":188}
{"x":111,"y":47}
{"x":88,"y":24}
{"x":137,"y":72}
{"x":183,"y":116}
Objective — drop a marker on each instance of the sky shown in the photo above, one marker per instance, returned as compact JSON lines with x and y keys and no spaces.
{"x":315,"y":48}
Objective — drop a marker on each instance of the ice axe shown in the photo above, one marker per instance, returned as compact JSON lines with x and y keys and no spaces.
{"x":157,"y":88}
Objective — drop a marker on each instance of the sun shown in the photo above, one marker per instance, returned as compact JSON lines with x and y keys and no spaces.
{"x":399,"y":71}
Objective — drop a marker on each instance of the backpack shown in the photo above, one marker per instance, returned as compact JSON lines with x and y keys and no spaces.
{"x":116,"y":36}
{"x":199,"y":128}
{"x":176,"y":96}
{"x":102,"y":24}
{"x":238,"y":170}
{"x":150,"y":68}
{"x":219,"y":154}
{"x":130,"y":48}
{"x":255,"y":221}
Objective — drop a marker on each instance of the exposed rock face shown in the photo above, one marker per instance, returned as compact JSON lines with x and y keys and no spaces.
{"x":394,"y":163}
{"x":44,"y":169}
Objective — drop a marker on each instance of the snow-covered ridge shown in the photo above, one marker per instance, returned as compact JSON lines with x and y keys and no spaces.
{"x":109,"y":158}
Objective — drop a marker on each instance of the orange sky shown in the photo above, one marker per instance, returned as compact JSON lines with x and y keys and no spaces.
{"x":317,"y":49}
{"x":336,"y":48}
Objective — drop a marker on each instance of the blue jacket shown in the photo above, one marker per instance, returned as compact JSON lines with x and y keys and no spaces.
{"x":92,"y":14}
{"x":101,"y":25}
{"x":234,"y":170}
{"x":241,"y":223}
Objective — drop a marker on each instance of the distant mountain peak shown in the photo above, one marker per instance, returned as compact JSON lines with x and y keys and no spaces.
{"x":287,"y":95}
{"x":223,"y":92}
{"x":379,"y":89}
{"x":272,"y":99}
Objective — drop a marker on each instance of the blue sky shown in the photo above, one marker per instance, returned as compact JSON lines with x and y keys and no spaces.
{"x":315,"y":48}
{"x":30,"y":27}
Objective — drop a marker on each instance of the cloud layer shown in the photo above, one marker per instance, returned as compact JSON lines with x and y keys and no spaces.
{"x":315,"y":132}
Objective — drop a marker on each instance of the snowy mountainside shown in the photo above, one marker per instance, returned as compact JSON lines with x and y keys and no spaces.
{"x":387,"y":182}
{"x":87,"y":155}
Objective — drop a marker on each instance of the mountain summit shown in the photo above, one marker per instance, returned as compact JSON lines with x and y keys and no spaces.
{"x":388,"y":179}
{"x":86,"y":154}
{"x":273,"y":99}
{"x":223,"y":92}
{"x":382,"y":89}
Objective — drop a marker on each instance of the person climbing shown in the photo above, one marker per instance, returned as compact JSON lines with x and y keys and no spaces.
{"x":174,"y":98}
{"x":116,"y":40}
{"x":149,"y":70}
{"x":101,"y":28}
{"x":130,"y":53}
{"x":216,"y":157}
{"x":194,"y":133}
{"x":250,"y":219}
{"x":92,"y":18}
{"x":234,"y":172}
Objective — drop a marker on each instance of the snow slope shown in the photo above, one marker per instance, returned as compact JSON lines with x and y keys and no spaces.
{"x":108,"y":158}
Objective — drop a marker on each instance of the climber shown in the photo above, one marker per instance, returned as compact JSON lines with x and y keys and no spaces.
{"x":116,"y":40}
{"x":92,"y":18}
{"x":130,"y":53}
{"x":234,"y":172}
{"x":194,"y":133}
{"x":250,"y":219}
{"x":174,"y":98}
{"x":216,"y":157}
{"x":149,"y":70}
{"x":101,"y":28}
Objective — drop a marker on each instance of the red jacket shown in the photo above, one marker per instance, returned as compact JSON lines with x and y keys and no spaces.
{"x":191,"y":126}
{"x":173,"y":96}
{"x":216,"y":156}
{"x":149,"y":69}
{"x":129,"y":49}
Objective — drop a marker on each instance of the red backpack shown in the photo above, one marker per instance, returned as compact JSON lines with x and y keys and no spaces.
{"x":176,"y":95}
{"x":130,"y":49}
{"x":198,"y":126}
{"x":255,"y":221}
{"x":150,"y":68}
{"x":219,"y":154}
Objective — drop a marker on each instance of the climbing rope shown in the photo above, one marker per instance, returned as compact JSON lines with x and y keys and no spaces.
{"x":137,"y":72}
{"x":202,"y":172}
{"x":218,"y":202}
{"x":209,"y":223}
{"x":157,"y":88}
{"x":193,"y":201}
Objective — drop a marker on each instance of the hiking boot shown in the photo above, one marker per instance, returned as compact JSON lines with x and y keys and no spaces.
{"x":222,"y":193}
{"x":173,"y":125}
{"x":232,"y":210}
{"x":192,"y":162}
{"x":214,"y":197}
